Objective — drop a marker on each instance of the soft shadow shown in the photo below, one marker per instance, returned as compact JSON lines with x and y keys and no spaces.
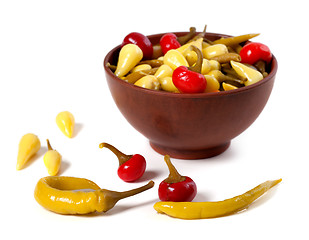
{"x":118,"y":208}
{"x":148,"y":175}
{"x":227,"y":155}
{"x":78,"y":127}
{"x":121,"y":208}
{"x":64,"y":166}
{"x":202,"y":197}
{"x":39,"y":154}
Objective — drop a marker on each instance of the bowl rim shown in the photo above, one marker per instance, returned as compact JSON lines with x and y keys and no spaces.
{"x":271,"y":75}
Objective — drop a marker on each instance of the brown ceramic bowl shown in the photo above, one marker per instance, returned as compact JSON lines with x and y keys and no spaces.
{"x":189,"y":126}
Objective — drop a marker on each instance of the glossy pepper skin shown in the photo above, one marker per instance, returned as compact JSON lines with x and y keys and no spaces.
{"x":175,"y":187}
{"x":251,"y":75}
{"x":131,"y":167}
{"x":129,"y":56}
{"x":66,"y":123}
{"x":169,"y":41}
{"x":71,"y":195}
{"x":140,"y":40}
{"x":188,"y":81}
{"x":52,"y":160}
{"x":254,"y":51}
{"x":28,"y":146}
{"x":203,"y":210}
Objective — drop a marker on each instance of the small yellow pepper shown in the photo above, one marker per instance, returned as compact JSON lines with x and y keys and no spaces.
{"x":227,"y":86}
{"x":28,"y":146}
{"x":202,"y":210}
{"x":66,"y":123}
{"x":252,"y":76}
{"x":71,"y":195}
{"x":215,"y":65}
{"x":212,"y":84}
{"x":174,"y":59}
{"x":149,"y":82}
{"x":164,"y":71}
{"x":187,"y":47}
{"x":52,"y":160}
{"x":206,"y":66}
{"x":187,"y":51}
{"x":141,"y":67}
{"x":130,"y":55}
{"x":214,"y":50}
{"x":168,"y":85}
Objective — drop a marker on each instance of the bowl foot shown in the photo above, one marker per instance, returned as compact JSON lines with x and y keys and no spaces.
{"x":191,"y":154}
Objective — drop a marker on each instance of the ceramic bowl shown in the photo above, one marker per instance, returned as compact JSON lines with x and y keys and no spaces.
{"x":189,"y":126}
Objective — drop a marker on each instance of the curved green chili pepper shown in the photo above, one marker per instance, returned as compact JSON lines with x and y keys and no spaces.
{"x":184,"y":39}
{"x":197,"y":67}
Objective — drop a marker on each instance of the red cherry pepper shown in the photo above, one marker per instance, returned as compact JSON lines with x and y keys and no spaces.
{"x":169,"y":41}
{"x":254,"y":51}
{"x":131,"y":167}
{"x":140,"y":40}
{"x":188,"y":81}
{"x":176,"y":188}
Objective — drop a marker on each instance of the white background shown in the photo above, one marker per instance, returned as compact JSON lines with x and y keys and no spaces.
{"x":51,"y":55}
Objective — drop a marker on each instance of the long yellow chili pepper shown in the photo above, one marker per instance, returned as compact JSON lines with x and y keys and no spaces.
{"x":28,"y":146}
{"x":202,"y":210}
{"x":71,"y":195}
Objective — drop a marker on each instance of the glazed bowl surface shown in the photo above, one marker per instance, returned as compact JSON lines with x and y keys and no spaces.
{"x":189,"y":126}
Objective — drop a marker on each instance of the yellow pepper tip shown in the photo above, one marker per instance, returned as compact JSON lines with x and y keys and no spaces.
{"x":66,"y":122}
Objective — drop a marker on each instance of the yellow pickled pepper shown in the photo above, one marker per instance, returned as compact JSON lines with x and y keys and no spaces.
{"x":149,"y":82}
{"x":66,"y":123}
{"x":187,"y":51}
{"x":164,"y":71}
{"x":52,"y":160}
{"x":228,"y":87}
{"x":214,"y":50}
{"x":29,"y":145}
{"x":249,"y":73}
{"x":129,"y":56}
{"x":174,"y":59}
{"x":203,"y":210}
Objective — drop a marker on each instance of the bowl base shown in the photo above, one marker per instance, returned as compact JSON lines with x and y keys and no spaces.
{"x":191,"y":154}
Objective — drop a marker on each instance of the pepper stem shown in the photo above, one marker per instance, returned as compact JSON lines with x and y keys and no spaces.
{"x":184,"y":39}
{"x":112,"y":197}
{"x":173,"y":176}
{"x":48,"y":145}
{"x":197,"y":67}
{"x":121,"y":156}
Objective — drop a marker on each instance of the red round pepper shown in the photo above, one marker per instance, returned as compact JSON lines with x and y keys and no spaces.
{"x":169,"y":41}
{"x":131,"y":167}
{"x":175,"y":187}
{"x":188,"y":81}
{"x":254,"y":51}
{"x":140,"y":40}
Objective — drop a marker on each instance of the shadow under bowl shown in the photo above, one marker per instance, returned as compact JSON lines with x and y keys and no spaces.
{"x":189,"y":126}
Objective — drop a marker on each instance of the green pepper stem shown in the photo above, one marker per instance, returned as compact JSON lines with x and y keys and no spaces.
{"x":129,"y":193}
{"x":112,"y":197}
{"x":121,"y":156}
{"x":173,"y":176}
{"x":184,"y":39}
{"x":200,"y":35}
{"x":48,"y":145}
{"x":197,"y":67}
